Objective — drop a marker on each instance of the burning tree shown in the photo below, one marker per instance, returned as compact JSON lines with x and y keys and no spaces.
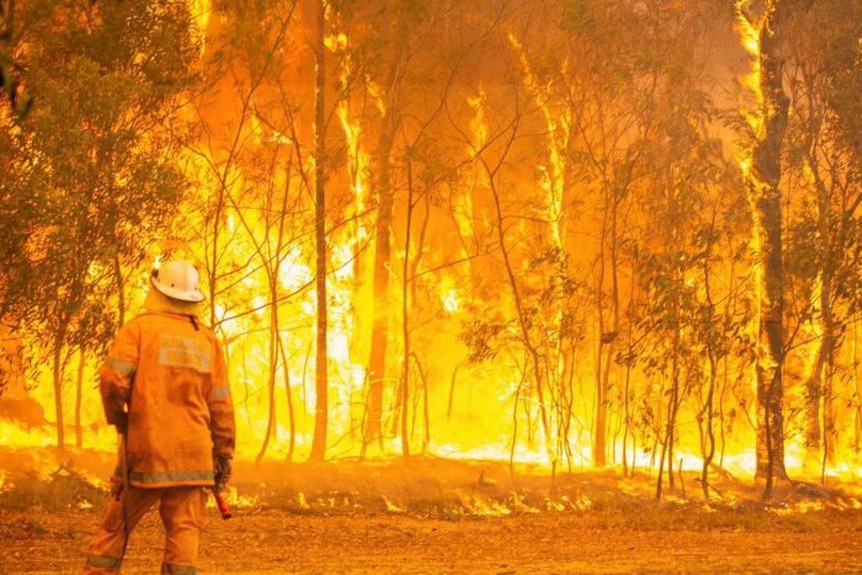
{"x":94,"y":156}
{"x":541,"y":197}
{"x":823,"y":149}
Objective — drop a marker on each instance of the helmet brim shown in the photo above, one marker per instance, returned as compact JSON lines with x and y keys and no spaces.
{"x":177,"y":294}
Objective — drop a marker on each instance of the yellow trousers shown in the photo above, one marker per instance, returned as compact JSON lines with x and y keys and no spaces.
{"x":182,"y":510}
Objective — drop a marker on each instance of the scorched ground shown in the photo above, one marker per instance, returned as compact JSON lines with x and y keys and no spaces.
{"x":441,"y":517}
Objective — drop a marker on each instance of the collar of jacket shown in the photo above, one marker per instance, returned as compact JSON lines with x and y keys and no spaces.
{"x":158,"y":302}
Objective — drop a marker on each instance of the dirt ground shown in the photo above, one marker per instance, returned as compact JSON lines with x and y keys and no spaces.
{"x":441,"y":517}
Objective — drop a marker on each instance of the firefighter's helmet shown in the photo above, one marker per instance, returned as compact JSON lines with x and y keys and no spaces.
{"x":178,"y":280}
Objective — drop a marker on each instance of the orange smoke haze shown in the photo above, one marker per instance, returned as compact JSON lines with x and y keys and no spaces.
{"x":568,"y":247}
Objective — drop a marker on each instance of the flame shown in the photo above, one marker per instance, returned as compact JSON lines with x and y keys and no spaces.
{"x":750,"y":41}
{"x":522,"y":456}
{"x":392,"y":507}
{"x":294,"y":272}
{"x":234,"y":499}
{"x":200,"y":11}
{"x":450,"y":300}
{"x":301,"y":501}
{"x":449,"y":295}
{"x":336,"y":42}
{"x":479,"y":506}
{"x":11,"y":434}
{"x":345,"y":316}
{"x":359,"y":159}
{"x":551,"y":176}
{"x":478,"y":123}
{"x":249,"y":357}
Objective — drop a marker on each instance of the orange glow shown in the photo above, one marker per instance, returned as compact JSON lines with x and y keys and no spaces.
{"x":522,"y":397}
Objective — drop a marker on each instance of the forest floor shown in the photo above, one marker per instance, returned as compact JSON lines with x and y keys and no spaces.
{"x":437,"y":516}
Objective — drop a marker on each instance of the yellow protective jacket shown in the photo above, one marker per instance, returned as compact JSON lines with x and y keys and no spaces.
{"x":169,"y":372}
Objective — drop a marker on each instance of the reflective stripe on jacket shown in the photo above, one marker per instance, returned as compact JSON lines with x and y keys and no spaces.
{"x":180,"y":408}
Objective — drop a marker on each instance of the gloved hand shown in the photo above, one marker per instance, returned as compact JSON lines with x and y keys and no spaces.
{"x":120,"y":420}
{"x":116,"y":488}
{"x":222,"y":470}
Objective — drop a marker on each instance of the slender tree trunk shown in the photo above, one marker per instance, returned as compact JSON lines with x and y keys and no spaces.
{"x":390,"y":124}
{"x":274,"y":296}
{"x":291,"y":415}
{"x":818,"y":387}
{"x":405,"y":319}
{"x":813,"y":395}
{"x":533,"y":355}
{"x":121,"y":289}
{"x":670,"y":427}
{"x":664,"y":455}
{"x":673,"y":410}
{"x":857,"y":381}
{"x":627,"y":414}
{"x":608,"y":334}
{"x":272,"y":422}
{"x":829,"y":337}
{"x":706,"y":422}
{"x":414,"y":272}
{"x":321,"y":412}
{"x":382,"y":261}
{"x":58,"y":387}
{"x":830,"y":432}
{"x":79,"y":392}
{"x":627,"y":388}
{"x":706,"y":415}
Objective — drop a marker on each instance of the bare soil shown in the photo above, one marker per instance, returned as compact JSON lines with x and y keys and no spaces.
{"x":443,"y":517}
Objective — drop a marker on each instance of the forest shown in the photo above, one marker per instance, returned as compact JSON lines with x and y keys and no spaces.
{"x":576,"y":234}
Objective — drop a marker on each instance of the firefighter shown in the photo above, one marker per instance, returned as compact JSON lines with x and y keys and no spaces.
{"x":165,"y":388}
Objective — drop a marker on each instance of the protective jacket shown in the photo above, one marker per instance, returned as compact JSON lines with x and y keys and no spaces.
{"x":169,"y":370}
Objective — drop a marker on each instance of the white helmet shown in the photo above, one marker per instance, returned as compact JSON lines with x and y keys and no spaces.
{"x":178,"y":280}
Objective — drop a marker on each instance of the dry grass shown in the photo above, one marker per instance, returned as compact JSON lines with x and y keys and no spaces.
{"x":442,"y":517}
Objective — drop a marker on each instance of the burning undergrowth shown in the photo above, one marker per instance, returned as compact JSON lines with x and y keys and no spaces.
{"x":442,"y":489}
{"x":64,"y":488}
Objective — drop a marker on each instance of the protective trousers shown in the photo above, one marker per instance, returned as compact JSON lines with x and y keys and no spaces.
{"x":182,"y":510}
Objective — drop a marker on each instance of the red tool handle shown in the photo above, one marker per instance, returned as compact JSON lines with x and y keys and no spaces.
{"x":223,"y":507}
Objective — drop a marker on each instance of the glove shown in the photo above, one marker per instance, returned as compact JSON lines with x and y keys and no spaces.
{"x":120,"y":420}
{"x":116,"y":488}
{"x":222,"y":470}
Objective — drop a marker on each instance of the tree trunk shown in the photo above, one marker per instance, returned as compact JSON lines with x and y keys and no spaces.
{"x":58,"y":387}
{"x":857,"y":383}
{"x":121,"y":289}
{"x":670,"y":428}
{"x":830,"y":433}
{"x":534,"y":358}
{"x":830,"y":336}
{"x":321,"y":413}
{"x":608,"y":334}
{"x":382,"y":260}
{"x":763,"y":181}
{"x":272,"y":422}
{"x":291,"y":416}
{"x":707,"y":426}
{"x":405,"y":318}
{"x":79,"y":392}
{"x":818,"y":387}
